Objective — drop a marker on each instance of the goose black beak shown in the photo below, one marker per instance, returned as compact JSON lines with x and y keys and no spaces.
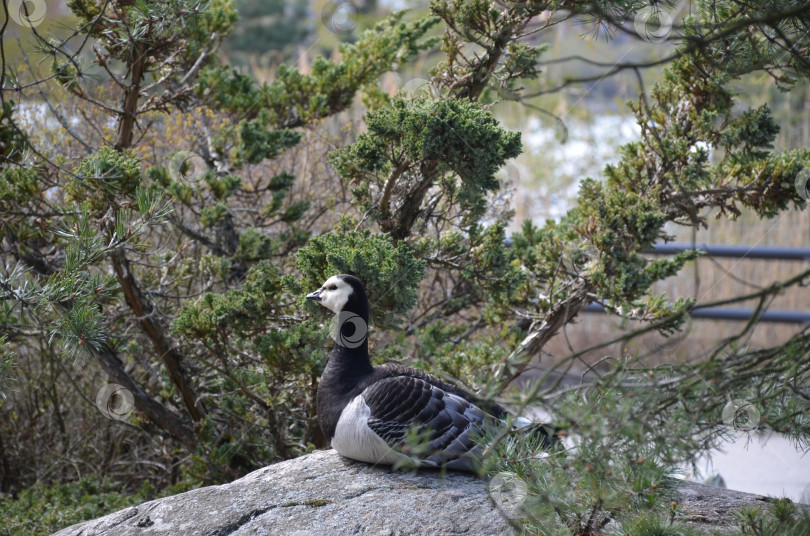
{"x":314,"y":296}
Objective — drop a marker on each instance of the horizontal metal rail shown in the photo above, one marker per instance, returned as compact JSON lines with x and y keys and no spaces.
{"x":733,"y":313}
{"x":741,"y":252}
{"x":737,"y":252}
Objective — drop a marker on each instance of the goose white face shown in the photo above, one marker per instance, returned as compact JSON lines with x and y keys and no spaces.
{"x":334,"y":294}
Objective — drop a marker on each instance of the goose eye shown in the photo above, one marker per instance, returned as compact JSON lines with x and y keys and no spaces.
{"x":332,"y":287}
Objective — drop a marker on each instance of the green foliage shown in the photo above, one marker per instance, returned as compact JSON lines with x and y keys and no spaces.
{"x":255,"y":246}
{"x":612,"y":469}
{"x":634,"y":425}
{"x":508,"y":61}
{"x":259,"y":143}
{"x":223,"y":187}
{"x":12,"y":140}
{"x":482,"y":258}
{"x":389,"y":271}
{"x":104,"y":174}
{"x":157,"y":24}
{"x":295,"y":98}
{"x":82,"y":324}
{"x":635,"y":436}
{"x":456,"y":135}
{"x":211,"y":215}
{"x":244,"y":327}
{"x":259,"y":351}
{"x":18,"y":185}
{"x":6,"y":363}
{"x":780,"y":518}
{"x":452,"y":131}
{"x":447,"y":348}
{"x":76,"y":293}
{"x":268,"y":25}
{"x":243,"y":311}
{"x":21,"y":183}
{"x":184,"y":274}
{"x":654,"y":525}
{"x":43,"y":509}
{"x":664,"y":177}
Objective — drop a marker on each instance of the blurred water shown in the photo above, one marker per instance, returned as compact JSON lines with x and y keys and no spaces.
{"x":762,"y":463}
{"x":549,"y":170}
{"x":765,"y":464}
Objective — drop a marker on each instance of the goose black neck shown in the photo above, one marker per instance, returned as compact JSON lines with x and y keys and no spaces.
{"x":349,"y":361}
{"x":346,"y":369}
{"x":358,"y":302}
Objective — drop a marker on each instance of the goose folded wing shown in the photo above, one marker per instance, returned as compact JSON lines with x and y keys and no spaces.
{"x":489,"y":407}
{"x":444,"y":420}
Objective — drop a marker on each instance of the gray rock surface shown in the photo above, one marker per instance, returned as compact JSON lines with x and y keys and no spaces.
{"x":324,"y":493}
{"x":713,"y":508}
{"x":321,"y":493}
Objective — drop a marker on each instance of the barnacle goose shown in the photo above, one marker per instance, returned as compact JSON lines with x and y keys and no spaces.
{"x":367,"y":412}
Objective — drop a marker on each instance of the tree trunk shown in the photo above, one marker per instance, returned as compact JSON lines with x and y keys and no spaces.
{"x":136,"y":299}
{"x":143,"y":309}
{"x":168,"y":421}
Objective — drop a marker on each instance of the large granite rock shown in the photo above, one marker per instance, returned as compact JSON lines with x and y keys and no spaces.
{"x":324,"y":493}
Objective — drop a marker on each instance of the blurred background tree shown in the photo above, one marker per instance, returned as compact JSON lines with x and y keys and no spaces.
{"x":271,"y":30}
{"x":164,"y":213}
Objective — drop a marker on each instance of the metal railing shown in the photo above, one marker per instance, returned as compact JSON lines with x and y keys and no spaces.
{"x":737,"y":252}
